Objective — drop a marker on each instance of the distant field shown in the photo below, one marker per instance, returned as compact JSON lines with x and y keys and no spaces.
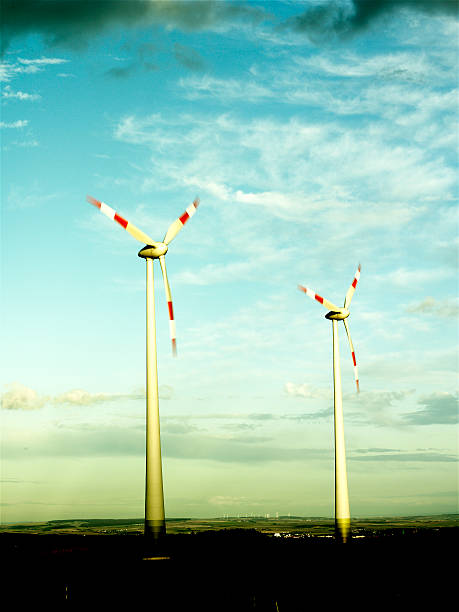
{"x":293,"y":525}
{"x":243,"y":564}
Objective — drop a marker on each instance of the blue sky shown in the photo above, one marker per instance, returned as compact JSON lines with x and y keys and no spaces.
{"x":317,"y":135}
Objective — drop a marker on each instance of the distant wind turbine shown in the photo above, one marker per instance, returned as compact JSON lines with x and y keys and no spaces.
{"x":155,"y":525}
{"x":342,"y":514}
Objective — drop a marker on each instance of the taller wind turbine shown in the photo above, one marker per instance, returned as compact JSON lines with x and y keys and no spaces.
{"x":335,"y":314}
{"x":155,"y":524}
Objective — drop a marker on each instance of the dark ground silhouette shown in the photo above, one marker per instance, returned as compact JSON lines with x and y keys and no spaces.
{"x":234,"y":569}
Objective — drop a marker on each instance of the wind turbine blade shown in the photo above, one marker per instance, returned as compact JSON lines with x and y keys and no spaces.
{"x":170,"y":309}
{"x":356,"y":371}
{"x":351,"y":290}
{"x":177,"y":225}
{"x":128,"y":226}
{"x":314,"y":296}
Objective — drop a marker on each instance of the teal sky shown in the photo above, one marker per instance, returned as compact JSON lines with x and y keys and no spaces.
{"x":317,"y":134}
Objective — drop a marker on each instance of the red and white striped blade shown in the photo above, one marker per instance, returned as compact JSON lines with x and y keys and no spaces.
{"x":177,"y":225}
{"x":128,"y":226}
{"x":170,"y":309}
{"x":351,"y":290}
{"x":356,"y":371}
{"x":315,"y":296}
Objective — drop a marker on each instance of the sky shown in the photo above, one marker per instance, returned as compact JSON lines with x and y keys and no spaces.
{"x":318,"y":135}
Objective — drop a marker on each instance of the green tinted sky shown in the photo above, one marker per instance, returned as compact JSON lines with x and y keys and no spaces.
{"x":317,"y":135}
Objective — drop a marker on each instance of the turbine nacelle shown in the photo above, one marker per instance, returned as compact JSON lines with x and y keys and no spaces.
{"x":340,"y":315}
{"x":153,"y":251}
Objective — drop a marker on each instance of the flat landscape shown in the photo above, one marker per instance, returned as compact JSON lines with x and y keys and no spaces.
{"x":282,"y":525}
{"x":282,"y":564}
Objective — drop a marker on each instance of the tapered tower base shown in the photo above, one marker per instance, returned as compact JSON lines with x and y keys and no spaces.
{"x":155,"y":530}
{"x":342,"y":530}
{"x":155,"y":548}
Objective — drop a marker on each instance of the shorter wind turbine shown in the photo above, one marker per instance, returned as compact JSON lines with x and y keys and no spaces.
{"x":155,"y":524}
{"x":335,"y":314}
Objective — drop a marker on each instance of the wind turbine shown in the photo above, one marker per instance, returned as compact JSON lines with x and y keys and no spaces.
{"x":335,"y":314}
{"x":155,"y":524}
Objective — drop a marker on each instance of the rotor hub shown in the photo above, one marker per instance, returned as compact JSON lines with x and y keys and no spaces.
{"x":153,"y":251}
{"x":339,"y":316}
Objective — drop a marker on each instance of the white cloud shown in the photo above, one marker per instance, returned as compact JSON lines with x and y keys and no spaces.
{"x":9,"y":94}
{"x":226,"y":500}
{"x":42,"y":61}
{"x":224,"y":89}
{"x":389,"y":86}
{"x":294,"y":157}
{"x":248,"y":269}
{"x":10,"y":70}
{"x":307,"y":391}
{"x":25,"y":143}
{"x":80,"y":397}
{"x":20,"y":397}
{"x":395,"y":66}
{"x":20,"y":123}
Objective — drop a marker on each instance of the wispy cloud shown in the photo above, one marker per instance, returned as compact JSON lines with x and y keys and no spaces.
{"x":121,"y":72}
{"x":376,"y":407}
{"x":10,"y":70}
{"x":414,"y":277}
{"x":227,"y":500}
{"x":14,"y":125}
{"x":184,"y":441}
{"x":9,"y":94}
{"x":188,"y":57}
{"x":226,"y":90}
{"x":80,"y":397}
{"x":441,"y":408}
{"x":327,"y":159}
{"x":421,"y":455}
{"x":441,"y":308}
{"x":42,"y":61}
{"x":221,"y":449}
{"x":307,"y":391}
{"x":366,"y":408}
{"x":228,"y":272}
{"x":404,"y":88}
{"x":20,"y":197}
{"x":20,"y":397}
{"x":317,"y":415}
{"x":25,"y":143}
{"x":77,"y":441}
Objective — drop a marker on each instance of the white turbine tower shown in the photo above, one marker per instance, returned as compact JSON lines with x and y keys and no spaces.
{"x":335,"y":314}
{"x":155,"y":525}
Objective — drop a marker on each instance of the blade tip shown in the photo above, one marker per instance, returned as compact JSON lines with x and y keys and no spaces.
{"x":92,"y":201}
